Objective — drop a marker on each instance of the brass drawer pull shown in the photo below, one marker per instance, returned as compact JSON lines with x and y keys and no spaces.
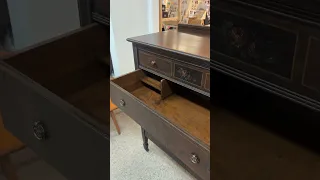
{"x":39,"y":130}
{"x":194,"y":158}
{"x":122,"y":103}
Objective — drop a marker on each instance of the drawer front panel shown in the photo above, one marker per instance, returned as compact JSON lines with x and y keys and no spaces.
{"x":191,"y":154}
{"x":68,"y":139}
{"x":189,"y":75}
{"x":153,"y":62}
{"x":160,"y":129}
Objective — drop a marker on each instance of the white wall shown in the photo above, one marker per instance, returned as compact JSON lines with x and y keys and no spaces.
{"x":130,"y":18}
{"x":34,"y":21}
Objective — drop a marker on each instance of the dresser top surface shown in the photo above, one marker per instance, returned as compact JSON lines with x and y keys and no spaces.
{"x":191,"y":44}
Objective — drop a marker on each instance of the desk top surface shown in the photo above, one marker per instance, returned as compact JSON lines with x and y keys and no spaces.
{"x":191,"y":44}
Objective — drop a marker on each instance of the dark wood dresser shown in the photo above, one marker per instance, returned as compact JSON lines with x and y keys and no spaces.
{"x":54,"y":97}
{"x":169,"y":94}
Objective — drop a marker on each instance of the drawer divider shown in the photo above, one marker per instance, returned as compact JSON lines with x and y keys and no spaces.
{"x":163,"y":86}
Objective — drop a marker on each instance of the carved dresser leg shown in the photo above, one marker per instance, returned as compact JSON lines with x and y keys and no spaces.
{"x":145,"y":140}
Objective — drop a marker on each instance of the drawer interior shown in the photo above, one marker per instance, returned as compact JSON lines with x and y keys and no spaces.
{"x":74,"y":67}
{"x":181,"y":110}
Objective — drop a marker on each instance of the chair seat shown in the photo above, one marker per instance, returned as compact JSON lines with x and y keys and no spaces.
{"x":112,"y":106}
{"x":8,"y":143}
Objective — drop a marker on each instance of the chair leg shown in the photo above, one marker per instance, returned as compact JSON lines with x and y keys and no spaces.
{"x":8,"y":168}
{"x":113,"y":117}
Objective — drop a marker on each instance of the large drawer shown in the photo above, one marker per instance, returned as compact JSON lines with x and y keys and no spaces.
{"x":182,"y":139}
{"x":51,"y":99}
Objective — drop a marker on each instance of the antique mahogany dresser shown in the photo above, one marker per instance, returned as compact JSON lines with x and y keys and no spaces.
{"x":265,"y":71}
{"x":168,"y":94}
{"x":54,"y":96}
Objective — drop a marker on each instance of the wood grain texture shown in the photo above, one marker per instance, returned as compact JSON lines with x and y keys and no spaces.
{"x":190,"y":117}
{"x":130,"y":81}
{"x":152,"y":82}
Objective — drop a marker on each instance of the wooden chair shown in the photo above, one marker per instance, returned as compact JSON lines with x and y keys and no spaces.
{"x":8,"y":144}
{"x":113,"y":117}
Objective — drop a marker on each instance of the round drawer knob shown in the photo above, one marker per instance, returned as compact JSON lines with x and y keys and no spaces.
{"x":153,"y":63}
{"x":39,"y":130}
{"x":194,"y":158}
{"x":122,"y":103}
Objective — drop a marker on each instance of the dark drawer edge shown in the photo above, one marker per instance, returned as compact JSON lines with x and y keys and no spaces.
{"x":82,"y":117}
{"x":175,"y":81}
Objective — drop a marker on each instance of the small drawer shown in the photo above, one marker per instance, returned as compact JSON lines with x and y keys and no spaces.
{"x":176,"y":130}
{"x":154,"y":62}
{"x":189,"y":75}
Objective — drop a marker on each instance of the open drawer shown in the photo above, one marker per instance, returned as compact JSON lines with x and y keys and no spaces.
{"x":54,"y":97}
{"x":175,"y":122}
